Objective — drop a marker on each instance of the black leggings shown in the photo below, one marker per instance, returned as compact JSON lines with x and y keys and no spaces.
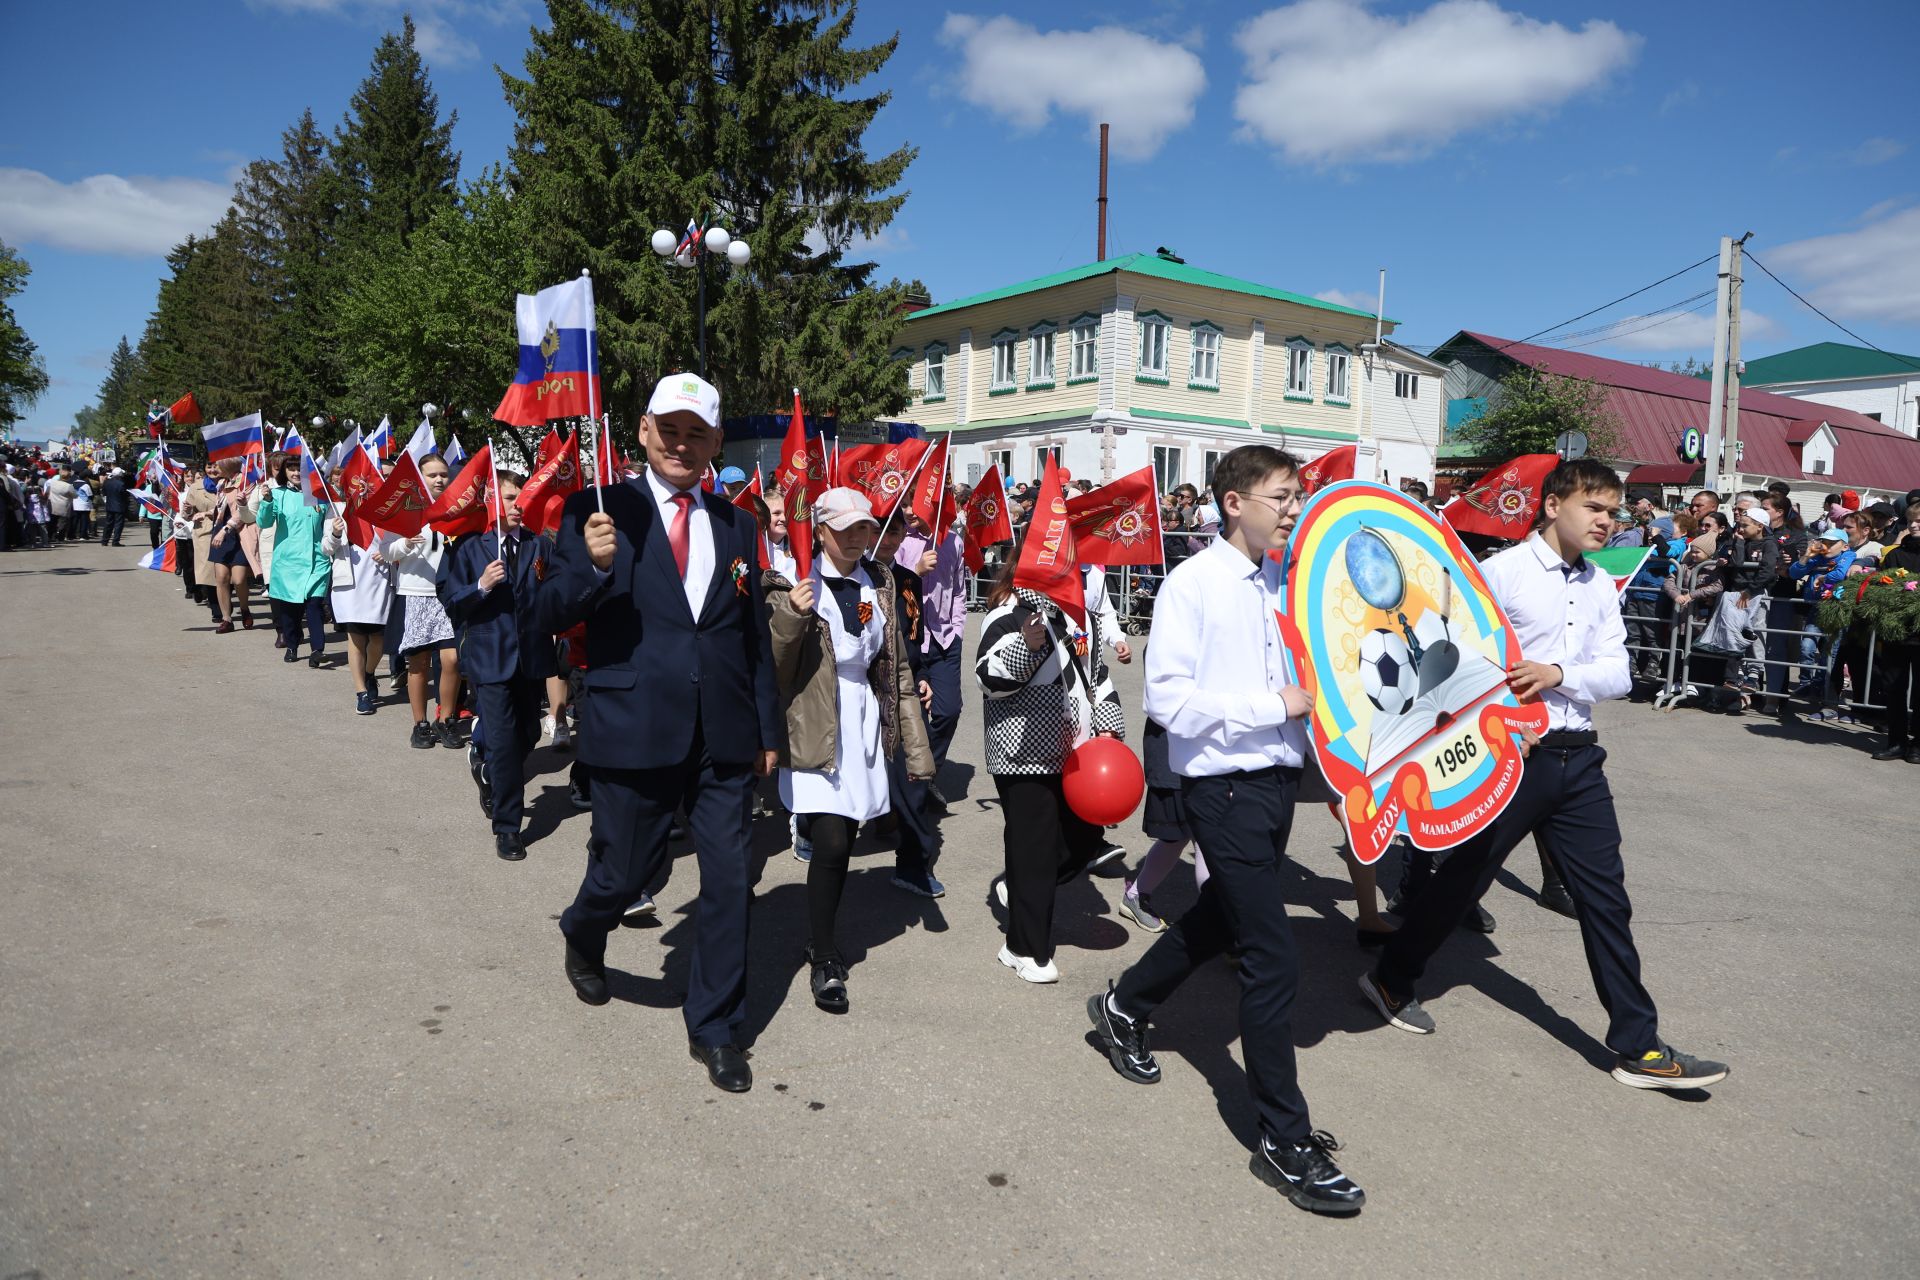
{"x":832,"y":837}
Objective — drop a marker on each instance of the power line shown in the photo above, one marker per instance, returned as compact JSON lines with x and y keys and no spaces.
{"x":1653,"y":324}
{"x":1824,"y":316}
{"x":1616,"y":302}
{"x":1683,"y":304}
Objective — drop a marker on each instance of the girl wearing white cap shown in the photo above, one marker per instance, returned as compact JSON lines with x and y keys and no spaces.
{"x":848,"y":698}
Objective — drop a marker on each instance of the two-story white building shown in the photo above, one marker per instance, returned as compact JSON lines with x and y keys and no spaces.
{"x":1877,"y":384}
{"x":1143,"y":360}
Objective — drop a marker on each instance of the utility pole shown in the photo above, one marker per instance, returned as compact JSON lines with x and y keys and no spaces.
{"x":1716,"y":398}
{"x":1731,"y":465}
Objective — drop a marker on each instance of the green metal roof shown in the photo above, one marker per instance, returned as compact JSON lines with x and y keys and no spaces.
{"x":1144,"y":264}
{"x":1824,"y":361}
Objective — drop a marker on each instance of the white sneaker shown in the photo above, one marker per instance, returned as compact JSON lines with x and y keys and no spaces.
{"x":1027,"y":969}
{"x":1000,"y":892}
{"x":562,"y":737}
{"x":546,"y":726}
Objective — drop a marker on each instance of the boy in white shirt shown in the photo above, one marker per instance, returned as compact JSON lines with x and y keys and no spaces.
{"x":1216,"y":679}
{"x":1565,"y":613}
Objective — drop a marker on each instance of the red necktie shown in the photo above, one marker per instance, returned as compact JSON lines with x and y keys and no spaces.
{"x":677,"y":532}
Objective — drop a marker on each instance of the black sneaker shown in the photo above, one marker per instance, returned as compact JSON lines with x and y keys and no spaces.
{"x":829,"y":983}
{"x":1304,"y":1174}
{"x":578,"y":798}
{"x":1404,"y":1014}
{"x":363,"y":703}
{"x":1668,"y":1068}
{"x":477,"y":766}
{"x":422,"y":735}
{"x":1124,"y":1039}
{"x":446,"y":735}
{"x":1478,"y":920}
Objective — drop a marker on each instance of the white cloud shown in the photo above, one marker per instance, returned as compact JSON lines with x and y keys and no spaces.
{"x":1869,"y":274}
{"x":435,"y":32}
{"x":1686,"y":331}
{"x":1144,"y":88}
{"x":1681,"y":95}
{"x":439,"y":43}
{"x":134,"y":216}
{"x":1349,"y":298}
{"x":1876,"y":151}
{"x":1329,"y":82}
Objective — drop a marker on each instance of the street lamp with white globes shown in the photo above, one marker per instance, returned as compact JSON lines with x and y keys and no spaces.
{"x":715,"y":240}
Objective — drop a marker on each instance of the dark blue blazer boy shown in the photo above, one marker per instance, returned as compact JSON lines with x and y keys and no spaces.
{"x":499,"y":632}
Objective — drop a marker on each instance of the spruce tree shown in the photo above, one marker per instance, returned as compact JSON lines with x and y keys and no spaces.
{"x":23,"y":378}
{"x":120,"y":408}
{"x":392,"y":155}
{"x":641,"y":114}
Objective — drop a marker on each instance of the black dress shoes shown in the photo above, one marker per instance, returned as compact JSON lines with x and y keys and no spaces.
{"x":507,"y":844}
{"x":726,"y":1066}
{"x":1892,"y":751}
{"x":1554,"y":897}
{"x":292,"y":654}
{"x":589,"y":977}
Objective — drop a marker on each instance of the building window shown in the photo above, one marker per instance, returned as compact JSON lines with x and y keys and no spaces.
{"x":1209,"y":459}
{"x":1003,"y":459}
{"x":1299,"y":369}
{"x":1203,"y":369}
{"x":1040,"y":357}
{"x":1168,"y":460}
{"x":1086,"y":350}
{"x":1153,"y":347}
{"x":1337,"y":361}
{"x":936,"y":374}
{"x":1040,"y":456}
{"x":1005,"y":348}
{"x":1406,"y":386}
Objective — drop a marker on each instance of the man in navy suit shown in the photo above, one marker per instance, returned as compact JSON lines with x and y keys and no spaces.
{"x":680,"y":707}
{"x":489,"y":587}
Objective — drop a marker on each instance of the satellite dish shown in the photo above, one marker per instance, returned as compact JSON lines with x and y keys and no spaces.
{"x":1571,"y":445}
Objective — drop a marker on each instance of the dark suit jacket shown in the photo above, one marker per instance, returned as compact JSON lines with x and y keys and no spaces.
{"x":499,"y":634}
{"x":114,"y":491}
{"x":652,"y":671}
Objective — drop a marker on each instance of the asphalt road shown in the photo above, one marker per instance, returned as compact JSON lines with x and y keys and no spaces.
{"x":269,"y":1006}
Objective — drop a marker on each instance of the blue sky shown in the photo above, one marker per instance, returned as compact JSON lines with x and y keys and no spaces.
{"x":1511,"y":162}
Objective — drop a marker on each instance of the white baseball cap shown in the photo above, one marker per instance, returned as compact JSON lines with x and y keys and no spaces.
{"x":686,"y":393}
{"x":843,"y":508}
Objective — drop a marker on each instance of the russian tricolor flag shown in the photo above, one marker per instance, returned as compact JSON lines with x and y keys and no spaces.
{"x":161,"y":557}
{"x":233,"y":439}
{"x":380,"y":442}
{"x":559,"y":373}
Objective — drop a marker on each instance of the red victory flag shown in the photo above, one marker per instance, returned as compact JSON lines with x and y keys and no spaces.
{"x":400,"y":504}
{"x":932,"y":500}
{"x":1048,"y":563}
{"x":359,"y":480}
{"x":1332,"y":466}
{"x":802,"y":477}
{"x":186,"y":412}
{"x":549,"y":445}
{"x":1119,"y":523}
{"x":744,"y":500}
{"x":985,"y":522}
{"x":467,"y":504}
{"x":546,"y":490}
{"x":1503,"y":502}
{"x":882,"y":471}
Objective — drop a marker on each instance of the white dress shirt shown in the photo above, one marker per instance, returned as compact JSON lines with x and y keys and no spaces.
{"x":1215,"y":667}
{"x":1093,"y":578}
{"x":699,"y":536}
{"x":1567,"y":616}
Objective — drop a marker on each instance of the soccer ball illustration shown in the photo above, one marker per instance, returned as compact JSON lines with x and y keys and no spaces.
{"x":1386,"y":671}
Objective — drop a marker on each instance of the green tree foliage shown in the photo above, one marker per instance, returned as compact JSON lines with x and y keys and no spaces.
{"x":23,"y":379}
{"x":393,"y":157}
{"x":212,"y":330}
{"x":1528,"y":410}
{"x":120,"y":408}
{"x":641,"y":114}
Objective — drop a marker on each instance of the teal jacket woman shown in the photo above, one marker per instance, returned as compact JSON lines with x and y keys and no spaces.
{"x":299,"y":571}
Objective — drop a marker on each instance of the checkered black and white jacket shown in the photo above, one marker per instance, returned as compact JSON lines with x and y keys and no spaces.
{"x":1039,"y":706}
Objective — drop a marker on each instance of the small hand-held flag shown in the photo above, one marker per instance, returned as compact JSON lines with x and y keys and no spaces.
{"x":453,"y":453}
{"x":1329,"y":468}
{"x":185,"y":412}
{"x":235,"y":438}
{"x":545,"y":492}
{"x":744,"y":500}
{"x":1503,"y":502}
{"x":358,"y":478}
{"x":985,"y":521}
{"x":932,"y":501}
{"x":423,"y":442}
{"x":884,"y":472}
{"x":1048,"y":562}
{"x":312,"y":483}
{"x":400,"y":504}
{"x":161,"y":557}
{"x":468,"y":504}
{"x":559,"y":370}
{"x":1119,"y":523}
{"x":802,"y":477}
{"x":379,"y":442}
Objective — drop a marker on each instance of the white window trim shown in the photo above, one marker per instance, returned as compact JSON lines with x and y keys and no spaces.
{"x":1045,"y":329}
{"x":1304,"y":396}
{"x":1346,"y":356}
{"x":1413,"y":382}
{"x":1089,"y":322}
{"x":1179,"y":450}
{"x":926,"y":378}
{"x":1141,"y":373}
{"x":996,"y":385}
{"x":1194,"y":330}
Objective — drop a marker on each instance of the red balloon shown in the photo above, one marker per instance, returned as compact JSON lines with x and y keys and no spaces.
{"x":1103,"y":781}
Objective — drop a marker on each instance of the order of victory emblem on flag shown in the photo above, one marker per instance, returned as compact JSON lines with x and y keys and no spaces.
{"x":1504,"y":497}
{"x":1122,"y":523}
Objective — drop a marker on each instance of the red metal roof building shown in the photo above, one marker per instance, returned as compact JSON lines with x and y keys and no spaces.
{"x":1811,"y":447}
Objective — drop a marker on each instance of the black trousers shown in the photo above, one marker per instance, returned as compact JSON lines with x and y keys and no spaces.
{"x":915,"y":851}
{"x":941,"y":668}
{"x":1564,"y":798}
{"x":508,"y":728}
{"x":627,"y":851}
{"x":1047,"y":844}
{"x":287,"y":616}
{"x":112,"y":525}
{"x":832,"y":837}
{"x":1240,"y":822}
{"x":1894,"y":669}
{"x":183,"y":564}
{"x":153,"y":533}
